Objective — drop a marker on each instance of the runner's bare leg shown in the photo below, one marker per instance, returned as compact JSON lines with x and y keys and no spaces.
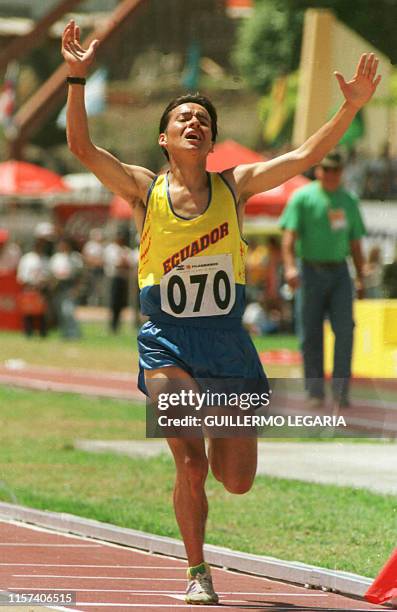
{"x":190,"y":501}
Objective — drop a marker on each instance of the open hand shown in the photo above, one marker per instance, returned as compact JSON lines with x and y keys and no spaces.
{"x":364,"y":83}
{"x":77,"y":58}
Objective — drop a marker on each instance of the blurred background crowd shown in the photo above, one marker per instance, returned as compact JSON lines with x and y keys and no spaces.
{"x":55,"y":274}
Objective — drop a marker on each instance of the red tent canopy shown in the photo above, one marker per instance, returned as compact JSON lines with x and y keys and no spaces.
{"x":228,"y":154}
{"x":22,"y":178}
{"x":239,"y":3}
{"x":272,"y":202}
{"x":120,"y":209}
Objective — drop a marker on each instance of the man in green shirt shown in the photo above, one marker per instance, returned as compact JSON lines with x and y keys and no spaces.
{"x":322,"y":226}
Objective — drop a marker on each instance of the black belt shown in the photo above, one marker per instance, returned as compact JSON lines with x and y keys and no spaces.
{"x":324,"y":264}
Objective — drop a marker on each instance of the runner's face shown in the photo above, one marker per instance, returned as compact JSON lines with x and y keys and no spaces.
{"x":189,"y":129}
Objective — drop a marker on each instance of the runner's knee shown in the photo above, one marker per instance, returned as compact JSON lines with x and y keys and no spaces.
{"x":238,"y":484}
{"x":233,"y":484}
{"x":193,"y":467}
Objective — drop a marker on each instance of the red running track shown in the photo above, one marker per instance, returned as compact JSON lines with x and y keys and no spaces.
{"x":107,"y":577}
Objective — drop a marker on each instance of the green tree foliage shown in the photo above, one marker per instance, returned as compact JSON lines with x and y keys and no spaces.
{"x":268,"y":44}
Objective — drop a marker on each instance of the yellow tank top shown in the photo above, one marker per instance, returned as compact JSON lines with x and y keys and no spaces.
{"x":192,"y":271}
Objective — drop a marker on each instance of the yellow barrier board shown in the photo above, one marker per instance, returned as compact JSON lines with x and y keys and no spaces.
{"x":375,"y":340}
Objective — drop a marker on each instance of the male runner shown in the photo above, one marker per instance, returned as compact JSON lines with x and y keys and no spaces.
{"x":195,"y":328}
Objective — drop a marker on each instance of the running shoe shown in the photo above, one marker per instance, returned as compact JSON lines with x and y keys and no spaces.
{"x":200,"y":590}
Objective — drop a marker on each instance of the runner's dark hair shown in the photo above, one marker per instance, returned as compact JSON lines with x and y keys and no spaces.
{"x":196,"y":98}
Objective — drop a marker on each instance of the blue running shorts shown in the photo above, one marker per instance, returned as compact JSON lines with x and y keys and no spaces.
{"x":204,"y":353}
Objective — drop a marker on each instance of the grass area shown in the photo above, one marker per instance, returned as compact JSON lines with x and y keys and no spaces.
{"x":335,"y":527}
{"x":276,"y":342}
{"x":97,"y":349}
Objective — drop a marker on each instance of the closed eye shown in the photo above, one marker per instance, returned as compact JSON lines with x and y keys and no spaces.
{"x":203,"y":119}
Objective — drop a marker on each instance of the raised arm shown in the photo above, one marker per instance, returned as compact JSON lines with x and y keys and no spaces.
{"x":130,"y":182}
{"x":254,"y":178}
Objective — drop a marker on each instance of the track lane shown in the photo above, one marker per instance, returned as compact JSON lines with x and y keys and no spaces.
{"x":108,"y":577}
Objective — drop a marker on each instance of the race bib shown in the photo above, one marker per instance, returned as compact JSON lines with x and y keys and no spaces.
{"x":337,"y":219}
{"x":199,"y":287}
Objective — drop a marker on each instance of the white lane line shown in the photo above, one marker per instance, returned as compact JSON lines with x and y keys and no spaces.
{"x":117,"y":566}
{"x":267,"y":594}
{"x":97,"y":577}
{"x":147,"y":605}
{"x":253,"y":605}
{"x":270,"y":593}
{"x":175,"y":593}
{"x":30,"y":544}
{"x":138,"y":592}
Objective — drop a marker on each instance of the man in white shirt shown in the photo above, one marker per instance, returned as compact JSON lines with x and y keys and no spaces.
{"x":93,"y":254}
{"x":33,"y":274}
{"x":118,"y":261}
{"x":65,"y":267}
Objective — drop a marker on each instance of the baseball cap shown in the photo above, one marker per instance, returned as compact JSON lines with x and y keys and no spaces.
{"x":334,"y":159}
{"x":4,"y":235}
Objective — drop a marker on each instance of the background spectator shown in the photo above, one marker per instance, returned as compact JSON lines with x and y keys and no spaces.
{"x":66,"y":267}
{"x":34,"y":276}
{"x":258,"y":321}
{"x":118,"y":262}
{"x":94,"y":276}
{"x":10,"y":253}
{"x":373,"y":274}
{"x":354,"y":174}
{"x":390,"y":278}
{"x":324,"y":222}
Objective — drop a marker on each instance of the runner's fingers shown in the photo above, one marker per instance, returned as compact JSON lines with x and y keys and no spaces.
{"x":70,"y":48}
{"x":77,"y":47}
{"x":66,"y":33}
{"x":374,"y":68}
{"x":369,"y":64}
{"x":361,"y":65}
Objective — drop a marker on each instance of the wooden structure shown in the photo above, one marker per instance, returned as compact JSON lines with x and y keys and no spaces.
{"x":49,"y":96}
